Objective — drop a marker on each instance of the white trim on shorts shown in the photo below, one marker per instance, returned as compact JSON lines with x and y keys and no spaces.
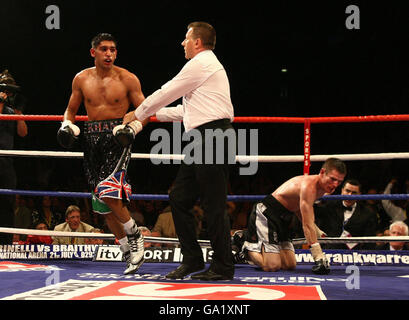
{"x":263,"y":236}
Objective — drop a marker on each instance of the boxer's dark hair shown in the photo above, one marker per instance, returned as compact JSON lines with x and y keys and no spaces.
{"x":335,"y":163}
{"x":205,"y":32}
{"x":102,"y":37}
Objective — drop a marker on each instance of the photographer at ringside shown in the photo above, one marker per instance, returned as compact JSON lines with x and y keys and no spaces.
{"x":11,"y":102}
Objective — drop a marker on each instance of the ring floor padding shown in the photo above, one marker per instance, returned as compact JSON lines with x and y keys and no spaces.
{"x":87,"y":280}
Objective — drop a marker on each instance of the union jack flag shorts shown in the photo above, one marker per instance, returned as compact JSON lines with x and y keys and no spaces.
{"x":114,"y":187}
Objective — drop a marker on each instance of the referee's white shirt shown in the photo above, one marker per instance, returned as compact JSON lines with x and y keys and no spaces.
{"x":205,"y":89}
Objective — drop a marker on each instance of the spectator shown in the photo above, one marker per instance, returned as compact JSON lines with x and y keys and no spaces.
{"x":395,"y":212}
{"x":47,"y":214}
{"x":347,"y":218}
{"x":397,"y":228}
{"x":22,"y":217}
{"x":383,"y":220}
{"x":59,"y":204}
{"x":30,"y":203}
{"x":22,"y":214}
{"x":380,"y":233}
{"x":34,"y":239}
{"x":17,"y":239}
{"x":41,"y":226}
{"x":8,"y":129}
{"x":164,"y":226}
{"x":73,"y":224}
{"x":149,"y":213}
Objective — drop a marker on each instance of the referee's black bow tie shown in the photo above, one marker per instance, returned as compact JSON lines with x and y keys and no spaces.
{"x":347,"y":208}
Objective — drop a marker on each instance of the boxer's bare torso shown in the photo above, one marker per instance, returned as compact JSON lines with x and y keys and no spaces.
{"x":299,"y":193}
{"x":106,"y":90}
{"x":289,"y":193}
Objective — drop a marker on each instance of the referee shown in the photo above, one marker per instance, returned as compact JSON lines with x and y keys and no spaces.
{"x":206,"y":105}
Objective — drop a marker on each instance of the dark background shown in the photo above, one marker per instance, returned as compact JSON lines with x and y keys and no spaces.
{"x":332,"y":71}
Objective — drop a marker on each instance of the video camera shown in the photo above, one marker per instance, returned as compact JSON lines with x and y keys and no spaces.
{"x":6,"y":87}
{"x":15,"y":99}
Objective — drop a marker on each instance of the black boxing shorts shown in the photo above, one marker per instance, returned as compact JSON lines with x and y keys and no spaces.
{"x":101,"y":157}
{"x":269,"y":226}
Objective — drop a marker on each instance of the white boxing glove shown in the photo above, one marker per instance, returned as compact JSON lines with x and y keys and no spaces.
{"x":125,"y":134}
{"x":73,"y":127}
{"x":136,"y":126}
{"x":67,"y":134}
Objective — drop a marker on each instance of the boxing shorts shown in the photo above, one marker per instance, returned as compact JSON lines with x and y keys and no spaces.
{"x":102,"y":155}
{"x":269,"y":226}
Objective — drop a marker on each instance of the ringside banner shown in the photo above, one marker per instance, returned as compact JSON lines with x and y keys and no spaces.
{"x":169,"y":254}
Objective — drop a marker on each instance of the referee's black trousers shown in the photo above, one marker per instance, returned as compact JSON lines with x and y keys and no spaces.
{"x":207,"y":182}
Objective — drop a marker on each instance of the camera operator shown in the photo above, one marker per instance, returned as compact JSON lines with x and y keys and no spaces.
{"x":11,"y":102}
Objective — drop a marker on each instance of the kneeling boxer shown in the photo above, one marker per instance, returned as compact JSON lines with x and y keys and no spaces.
{"x":266,"y":242}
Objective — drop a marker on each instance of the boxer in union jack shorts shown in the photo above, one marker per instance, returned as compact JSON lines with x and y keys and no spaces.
{"x":105,"y":163}
{"x":107,"y":92}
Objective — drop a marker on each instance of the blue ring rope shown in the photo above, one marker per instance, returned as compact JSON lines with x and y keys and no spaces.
{"x":165,"y":197}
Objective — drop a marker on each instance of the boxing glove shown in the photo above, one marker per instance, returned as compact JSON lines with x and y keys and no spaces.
{"x":321,"y":267}
{"x":67,"y":134}
{"x":125,"y":134}
{"x":321,"y":264}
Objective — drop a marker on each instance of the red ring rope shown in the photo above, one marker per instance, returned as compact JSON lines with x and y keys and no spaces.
{"x":373,"y":118}
{"x":306,"y":121}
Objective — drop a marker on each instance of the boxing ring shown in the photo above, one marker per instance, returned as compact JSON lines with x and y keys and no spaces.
{"x":85,"y":272}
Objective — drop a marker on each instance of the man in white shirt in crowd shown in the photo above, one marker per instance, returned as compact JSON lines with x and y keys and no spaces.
{"x":204,"y":86}
{"x":396,"y":229}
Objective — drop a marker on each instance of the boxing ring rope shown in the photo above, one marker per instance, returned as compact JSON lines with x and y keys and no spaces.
{"x":104,"y":236}
{"x":306,"y":158}
{"x":202,"y":243}
{"x":165,"y":197}
{"x":239,"y":158}
{"x":369,"y":118}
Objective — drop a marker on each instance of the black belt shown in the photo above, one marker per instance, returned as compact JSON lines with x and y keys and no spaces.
{"x":220,"y":123}
{"x":271,"y":202}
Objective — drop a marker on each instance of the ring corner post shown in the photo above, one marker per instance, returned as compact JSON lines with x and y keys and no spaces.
{"x":307,"y":146}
